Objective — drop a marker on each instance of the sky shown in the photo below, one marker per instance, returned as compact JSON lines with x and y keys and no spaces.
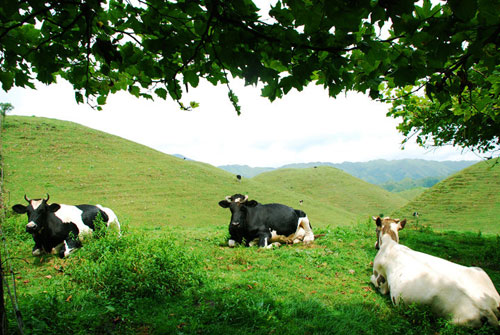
{"x":307,"y":126}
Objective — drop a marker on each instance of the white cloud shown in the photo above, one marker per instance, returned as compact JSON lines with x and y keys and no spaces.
{"x":303,"y":127}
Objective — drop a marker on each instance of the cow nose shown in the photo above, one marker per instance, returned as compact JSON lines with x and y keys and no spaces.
{"x":31,"y":226}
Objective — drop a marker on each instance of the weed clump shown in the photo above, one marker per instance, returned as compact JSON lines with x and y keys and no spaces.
{"x":132,"y":266}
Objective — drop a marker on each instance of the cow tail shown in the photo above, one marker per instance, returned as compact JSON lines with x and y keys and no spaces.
{"x":302,"y":214}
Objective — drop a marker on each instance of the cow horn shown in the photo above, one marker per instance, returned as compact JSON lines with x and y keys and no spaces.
{"x":26,"y":198}
{"x":244,"y":200}
{"x":48,"y":197}
{"x":228,"y":198}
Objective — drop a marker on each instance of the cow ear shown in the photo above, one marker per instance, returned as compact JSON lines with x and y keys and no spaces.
{"x":402,"y":224}
{"x":20,"y":209}
{"x":377,"y":220}
{"x":251,"y":203}
{"x":224,"y":203}
{"x":54,"y":207}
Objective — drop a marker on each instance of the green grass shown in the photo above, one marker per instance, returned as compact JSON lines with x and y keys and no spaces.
{"x":334,"y":187}
{"x":467,"y":201}
{"x":120,"y":286}
{"x":412,"y":193}
{"x":171,"y":271}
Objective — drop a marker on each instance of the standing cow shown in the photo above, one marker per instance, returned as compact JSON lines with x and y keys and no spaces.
{"x":268,"y":223}
{"x":58,"y":228}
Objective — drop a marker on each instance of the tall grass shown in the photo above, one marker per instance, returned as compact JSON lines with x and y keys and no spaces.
{"x":172,"y":284}
{"x":101,"y":287}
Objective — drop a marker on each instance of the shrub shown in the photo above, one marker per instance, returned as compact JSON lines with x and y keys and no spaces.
{"x":134,"y":266}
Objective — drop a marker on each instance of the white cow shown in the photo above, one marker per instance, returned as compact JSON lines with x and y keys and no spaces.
{"x":466,"y":294}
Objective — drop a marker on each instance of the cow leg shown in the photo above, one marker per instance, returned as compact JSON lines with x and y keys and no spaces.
{"x":298,"y":236}
{"x":253,"y":242}
{"x":265,"y":240}
{"x":306,"y":225}
{"x":380,"y":282}
{"x":69,"y":245}
{"x":233,"y":241}
{"x":37,"y":249}
{"x":374,"y":280}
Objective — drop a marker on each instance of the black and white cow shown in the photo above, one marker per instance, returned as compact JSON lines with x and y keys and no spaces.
{"x":268,"y":223}
{"x":58,"y":228}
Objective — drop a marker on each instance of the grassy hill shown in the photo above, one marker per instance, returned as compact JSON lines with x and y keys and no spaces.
{"x":387,"y":174}
{"x":336,"y":188}
{"x":467,"y":201}
{"x":75,"y":164}
{"x":171,"y":271}
{"x":412,"y":193}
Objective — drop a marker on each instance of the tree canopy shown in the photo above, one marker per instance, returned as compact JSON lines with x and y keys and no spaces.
{"x":436,"y":62}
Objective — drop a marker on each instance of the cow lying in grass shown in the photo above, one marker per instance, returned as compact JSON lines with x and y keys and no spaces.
{"x":271,"y":223}
{"x":58,"y":228}
{"x":466,"y":294}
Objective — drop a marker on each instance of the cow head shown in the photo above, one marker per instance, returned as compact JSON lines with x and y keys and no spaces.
{"x":37,"y":211}
{"x":388,"y":226}
{"x":238,"y":204}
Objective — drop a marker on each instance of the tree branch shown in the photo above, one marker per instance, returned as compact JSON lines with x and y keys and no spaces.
{"x":26,"y":20}
{"x":53,"y":37}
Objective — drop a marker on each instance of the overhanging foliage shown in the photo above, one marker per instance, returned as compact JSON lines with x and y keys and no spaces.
{"x":439,"y":63}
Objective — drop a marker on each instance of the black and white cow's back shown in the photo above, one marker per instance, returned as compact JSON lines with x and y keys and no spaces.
{"x":278,"y":217}
{"x":59,"y":228}
{"x":83,"y":216}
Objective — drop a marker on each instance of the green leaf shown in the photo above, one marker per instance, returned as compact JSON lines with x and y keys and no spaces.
{"x":191,"y":78}
{"x":101,"y":100}
{"x":78,"y":97}
{"x":134,"y":90}
{"x":161,"y":92}
{"x":465,"y":10}
{"x":488,"y":12}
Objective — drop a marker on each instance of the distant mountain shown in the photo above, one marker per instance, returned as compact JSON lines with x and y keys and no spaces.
{"x":382,"y":171}
{"x":376,"y":172}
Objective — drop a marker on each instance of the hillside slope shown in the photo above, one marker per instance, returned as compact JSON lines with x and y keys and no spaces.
{"x":75,"y":165}
{"x":335,"y":188}
{"x":467,"y":201}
